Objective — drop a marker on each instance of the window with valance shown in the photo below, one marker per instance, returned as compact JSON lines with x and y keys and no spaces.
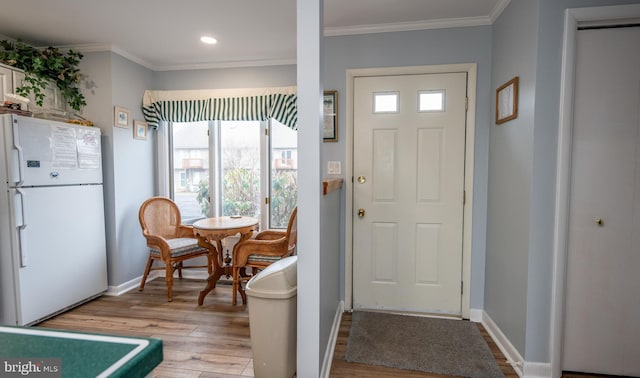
{"x":246,"y":104}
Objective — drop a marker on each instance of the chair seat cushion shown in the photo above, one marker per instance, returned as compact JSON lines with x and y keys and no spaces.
{"x":262,"y":258}
{"x":181,"y":246}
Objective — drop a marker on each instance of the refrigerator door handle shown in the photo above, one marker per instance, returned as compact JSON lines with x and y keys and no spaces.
{"x":16,"y":145}
{"x":22,"y":247}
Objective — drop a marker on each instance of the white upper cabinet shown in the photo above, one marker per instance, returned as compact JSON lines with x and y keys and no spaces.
{"x":6,"y":81}
{"x":53,"y":103}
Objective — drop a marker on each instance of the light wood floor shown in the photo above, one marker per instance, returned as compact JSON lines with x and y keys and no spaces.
{"x":208,"y":341}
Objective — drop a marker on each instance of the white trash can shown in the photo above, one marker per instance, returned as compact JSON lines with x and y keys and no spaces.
{"x":272,"y":300}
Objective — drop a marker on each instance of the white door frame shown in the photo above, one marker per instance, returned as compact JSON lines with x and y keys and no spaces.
{"x":563,"y":170}
{"x":471,"y":70}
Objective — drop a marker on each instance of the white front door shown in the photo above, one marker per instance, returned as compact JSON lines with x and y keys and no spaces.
{"x":409,"y":155}
{"x":602,"y":314}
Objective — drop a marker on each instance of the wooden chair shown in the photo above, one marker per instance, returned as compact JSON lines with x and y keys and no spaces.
{"x":169,"y":241}
{"x":266,"y":248}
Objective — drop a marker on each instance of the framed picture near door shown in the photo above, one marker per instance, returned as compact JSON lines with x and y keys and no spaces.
{"x":330,"y":118}
{"x":507,"y":101}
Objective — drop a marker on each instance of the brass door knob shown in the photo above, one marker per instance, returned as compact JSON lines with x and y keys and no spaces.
{"x":360,"y":213}
{"x":362,"y":179}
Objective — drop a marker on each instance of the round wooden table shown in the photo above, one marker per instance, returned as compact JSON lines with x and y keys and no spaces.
{"x":213,"y":230}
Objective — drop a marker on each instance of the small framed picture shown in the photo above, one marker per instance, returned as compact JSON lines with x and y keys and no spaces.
{"x":330,"y":118}
{"x":507,"y":101}
{"x":140,"y":129}
{"x":121,"y":117}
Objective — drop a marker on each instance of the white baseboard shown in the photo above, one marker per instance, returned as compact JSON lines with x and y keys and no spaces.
{"x":537,"y":370}
{"x":134,"y":283}
{"x":129,"y":285}
{"x":523,"y":368}
{"x":331,"y":344}
{"x":193,"y":274}
{"x":510,"y":352}
{"x":475,"y":315}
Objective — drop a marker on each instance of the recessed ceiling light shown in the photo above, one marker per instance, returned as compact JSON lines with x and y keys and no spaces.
{"x":209,"y":40}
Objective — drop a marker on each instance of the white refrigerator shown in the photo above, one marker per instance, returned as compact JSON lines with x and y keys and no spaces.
{"x":52,"y":228}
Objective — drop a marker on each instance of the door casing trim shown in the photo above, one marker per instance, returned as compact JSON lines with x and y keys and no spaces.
{"x":471,"y":70}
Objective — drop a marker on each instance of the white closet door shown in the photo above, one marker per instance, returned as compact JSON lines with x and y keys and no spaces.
{"x":602,"y":314}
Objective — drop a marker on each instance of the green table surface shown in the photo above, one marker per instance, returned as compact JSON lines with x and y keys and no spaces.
{"x":83,"y":354}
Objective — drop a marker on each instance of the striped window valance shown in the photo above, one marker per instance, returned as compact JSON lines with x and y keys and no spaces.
{"x":247,"y":104}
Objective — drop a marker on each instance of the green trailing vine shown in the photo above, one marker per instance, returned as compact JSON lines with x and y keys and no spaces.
{"x":42,"y":66}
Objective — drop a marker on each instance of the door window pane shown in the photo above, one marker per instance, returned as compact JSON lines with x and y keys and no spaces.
{"x":385,"y":102}
{"x":240,"y":161}
{"x":284,"y":174}
{"x":431,"y":101}
{"x":191,"y":170}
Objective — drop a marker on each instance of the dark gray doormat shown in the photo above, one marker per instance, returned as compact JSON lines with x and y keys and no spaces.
{"x":441,"y":346}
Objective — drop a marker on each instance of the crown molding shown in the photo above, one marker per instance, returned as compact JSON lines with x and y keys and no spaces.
{"x":408,"y":26}
{"x":86,"y":48}
{"x":420,"y":25}
{"x":230,"y":64}
{"x":498,"y":9}
{"x":97,"y":47}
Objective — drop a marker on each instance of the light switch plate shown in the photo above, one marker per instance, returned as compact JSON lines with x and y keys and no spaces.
{"x":333,"y":168}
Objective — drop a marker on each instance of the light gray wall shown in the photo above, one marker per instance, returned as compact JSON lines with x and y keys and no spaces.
{"x":510,"y":167}
{"x":415,"y":48}
{"x":134,"y":169}
{"x":330,"y":244}
{"x":128,"y":163}
{"x":247,"y":77}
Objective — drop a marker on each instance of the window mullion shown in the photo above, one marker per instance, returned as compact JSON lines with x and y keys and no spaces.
{"x":215,"y":170}
{"x":265,"y":172}
{"x":164,"y":153}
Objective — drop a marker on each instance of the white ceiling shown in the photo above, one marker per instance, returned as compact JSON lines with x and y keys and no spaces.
{"x":164,"y":34}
